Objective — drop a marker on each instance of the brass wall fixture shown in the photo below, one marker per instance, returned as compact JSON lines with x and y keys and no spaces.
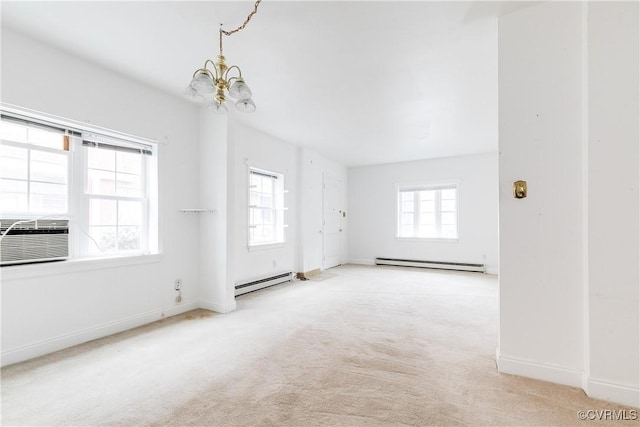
{"x":520,"y":189}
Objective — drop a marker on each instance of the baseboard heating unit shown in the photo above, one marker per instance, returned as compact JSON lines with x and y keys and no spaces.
{"x":254,"y":285}
{"x":442,"y":265}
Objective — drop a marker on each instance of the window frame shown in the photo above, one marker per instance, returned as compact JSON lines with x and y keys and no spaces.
{"x":445,"y":185}
{"x":278,"y":209}
{"x":78,"y":199}
{"x":86,"y":198}
{"x":30,"y":147}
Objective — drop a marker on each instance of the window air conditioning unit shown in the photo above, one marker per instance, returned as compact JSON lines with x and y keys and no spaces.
{"x":35,"y":241}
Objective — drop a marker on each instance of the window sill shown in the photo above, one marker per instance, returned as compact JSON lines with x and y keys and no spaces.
{"x":25,"y":271}
{"x":266,"y":246}
{"x":427,"y":239}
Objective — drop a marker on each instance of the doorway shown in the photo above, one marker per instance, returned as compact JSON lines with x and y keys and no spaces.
{"x":332,"y":221}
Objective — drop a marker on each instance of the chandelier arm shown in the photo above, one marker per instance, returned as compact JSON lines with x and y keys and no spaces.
{"x":213,"y":75}
{"x":226,"y":74}
{"x":241,"y":27}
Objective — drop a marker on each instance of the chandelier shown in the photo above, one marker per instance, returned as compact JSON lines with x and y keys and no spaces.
{"x":210,"y":83}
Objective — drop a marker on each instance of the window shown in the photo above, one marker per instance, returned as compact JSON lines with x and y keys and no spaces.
{"x":102,"y":183}
{"x":34,"y":170}
{"x":116,"y":194}
{"x":428,"y":212}
{"x":266,"y":207}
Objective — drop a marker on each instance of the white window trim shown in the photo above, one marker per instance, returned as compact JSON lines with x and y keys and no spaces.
{"x":432,"y":185}
{"x":75,"y":265}
{"x":79,"y":261}
{"x":278,"y":211}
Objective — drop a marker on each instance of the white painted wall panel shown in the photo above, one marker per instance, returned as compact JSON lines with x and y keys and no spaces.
{"x":540,"y":103}
{"x":46,"y":311}
{"x":256,"y":149}
{"x":614,"y":276}
{"x":372,"y":210}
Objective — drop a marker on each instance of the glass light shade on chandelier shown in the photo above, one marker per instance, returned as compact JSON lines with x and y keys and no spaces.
{"x":215,"y":80}
{"x":239,"y":89}
{"x":217,"y":107}
{"x":246,"y":105}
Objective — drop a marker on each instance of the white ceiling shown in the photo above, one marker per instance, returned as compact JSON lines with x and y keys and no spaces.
{"x":360,"y":82}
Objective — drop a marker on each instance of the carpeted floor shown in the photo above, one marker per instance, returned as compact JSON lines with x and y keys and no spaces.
{"x":365,"y":346}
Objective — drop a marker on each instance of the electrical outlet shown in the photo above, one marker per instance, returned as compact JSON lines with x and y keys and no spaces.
{"x":178,"y":284}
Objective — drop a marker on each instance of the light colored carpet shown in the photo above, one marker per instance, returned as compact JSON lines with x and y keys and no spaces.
{"x":368,"y":346}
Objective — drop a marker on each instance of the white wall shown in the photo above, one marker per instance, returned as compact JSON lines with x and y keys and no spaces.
{"x":51,"y":306}
{"x":613,"y":211}
{"x":568,"y":83}
{"x":373,"y":204}
{"x":313,"y":167}
{"x":216,"y":254}
{"x":256,"y":149}
{"x":540,"y":141}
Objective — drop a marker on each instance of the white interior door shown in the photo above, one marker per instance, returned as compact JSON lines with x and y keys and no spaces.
{"x":332,"y":216}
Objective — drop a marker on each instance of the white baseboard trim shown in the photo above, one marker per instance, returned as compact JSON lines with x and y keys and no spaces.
{"x":621,"y":394}
{"x":20,"y":354}
{"x":361,"y":261}
{"x":217,"y":307}
{"x":595,"y":389}
{"x":538,"y":371}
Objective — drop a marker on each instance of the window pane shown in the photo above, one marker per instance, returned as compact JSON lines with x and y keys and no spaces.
{"x":102,"y":159}
{"x":448,"y":218}
{"x":13,"y":132}
{"x":101,"y":182}
{"x":406,"y":219}
{"x":448,"y":205}
{"x":129,"y":162}
{"x":427,"y":218}
{"x":255,"y":183}
{"x":254,"y":198}
{"x":449,"y":194}
{"x":267,"y":215}
{"x":407,"y":206}
{"x":406,"y":196}
{"x":269,"y":233}
{"x":427,"y":205}
{"x":406,"y":231}
{"x":257,"y":234}
{"x":105,"y":237}
{"x":266,"y":201}
{"x":427,"y":231}
{"x":267,"y":185}
{"x":428,"y":195}
{"x":102,"y":212}
{"x":48,"y":167}
{"x":128,"y":238}
{"x":13,"y":196}
{"x":129,"y":185}
{"x":449,"y":231}
{"x":129,"y":213}
{"x":46,"y":138}
{"x":46,"y":197}
{"x":13,"y":162}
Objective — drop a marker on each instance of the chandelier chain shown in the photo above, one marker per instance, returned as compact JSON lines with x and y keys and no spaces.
{"x":244,"y":24}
